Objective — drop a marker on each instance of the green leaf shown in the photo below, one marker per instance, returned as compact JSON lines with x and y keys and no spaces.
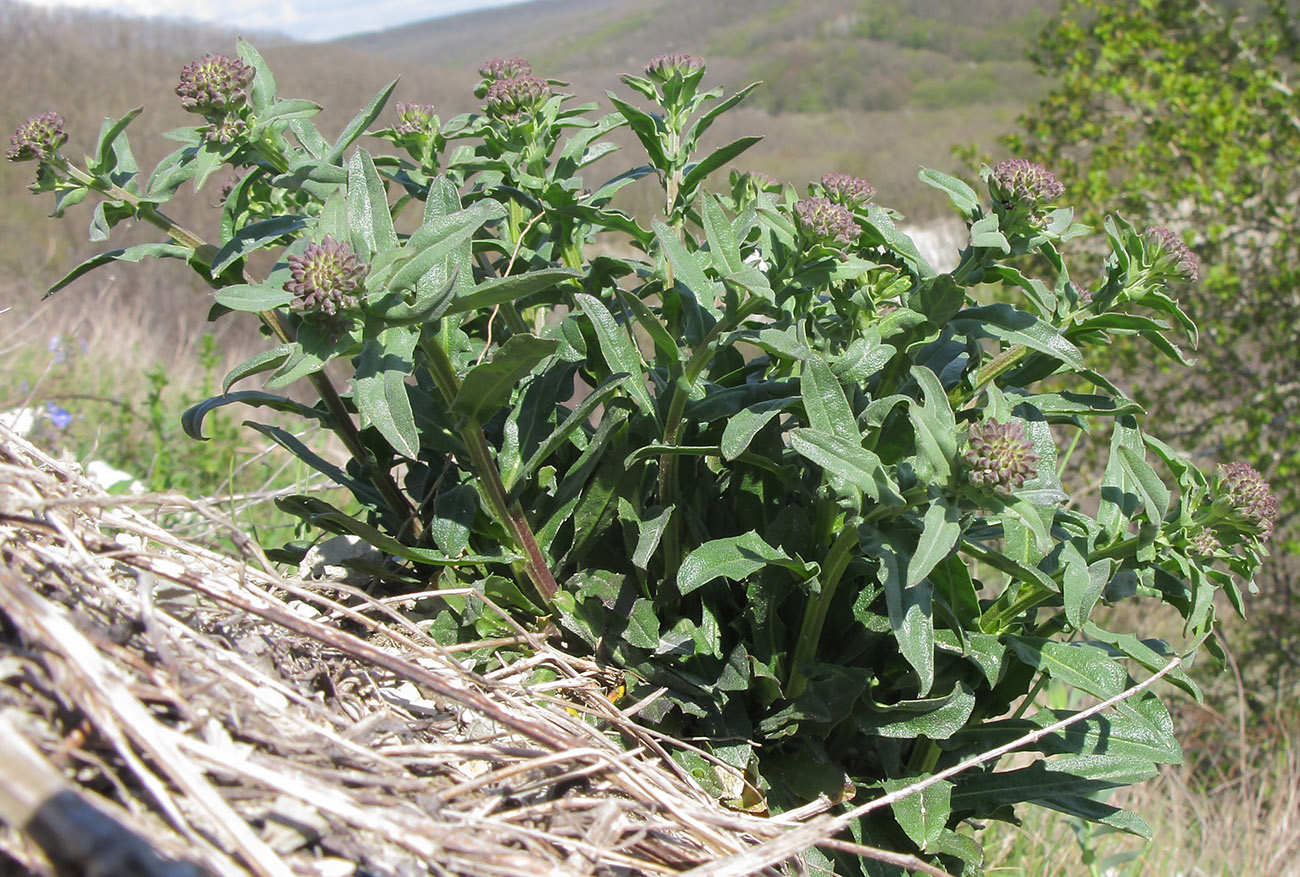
{"x":1081,"y":666}
{"x":192,"y":419}
{"x":1083,"y":584}
{"x":359,"y":123}
{"x":649,"y":534}
{"x":910,"y":609}
{"x":1017,"y":327}
{"x":935,"y":717}
{"x":439,"y":238}
{"x":384,"y":364}
{"x":922,"y":815}
{"x":621,"y":355}
{"x":645,"y":127}
{"x":262,"y":94}
{"x":741,"y":428}
{"x":503,"y":289}
{"x":847,"y":460}
{"x":327,"y":516}
{"x":256,"y":364}
{"x":251,"y":298}
{"x":939,"y":532}
{"x":825,"y":403}
{"x":984,"y":235}
{"x":963,"y":197}
{"x":370,"y":225}
{"x":722,"y":239}
{"x":687,"y":268}
{"x":488,"y":385}
{"x":127,"y":254}
{"x":642,"y":625}
{"x":735,"y":558}
{"x":934,"y":424}
{"x":577,"y":418}
{"x":254,"y":236}
{"x":1154,"y":493}
{"x":719,"y":158}
{"x":112,"y":153}
{"x":281,"y":112}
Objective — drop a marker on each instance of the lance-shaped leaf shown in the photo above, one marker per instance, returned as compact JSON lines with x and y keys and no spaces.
{"x":688,"y":269}
{"x":722,"y":238}
{"x":383,"y":366}
{"x":331,"y":518}
{"x":503,"y":289}
{"x":488,"y":385}
{"x":910,"y":609}
{"x":621,"y":355}
{"x":1004,"y":322}
{"x":256,"y":364}
{"x":715,"y":160}
{"x":254,"y":236}
{"x":939,"y":531}
{"x":252,"y":298}
{"x":848,"y":461}
{"x":923,"y":815}
{"x":192,"y":419}
{"x":963,"y":197}
{"x":735,"y":558}
{"x":127,"y":254}
{"x":370,"y":225}
{"x":359,"y":123}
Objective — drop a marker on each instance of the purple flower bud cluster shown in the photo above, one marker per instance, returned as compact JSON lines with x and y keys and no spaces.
{"x":1176,"y":254}
{"x":1000,"y":457}
{"x":823,"y":219}
{"x":214,"y":85}
{"x":414,"y":118}
{"x":847,"y":189}
{"x":37,"y":139}
{"x":1249,"y":495}
{"x":1019,"y":182}
{"x":326,"y":277}
{"x":663,"y":67}
{"x":510,"y":98}
{"x":504,"y":68}
{"x":1204,"y":543}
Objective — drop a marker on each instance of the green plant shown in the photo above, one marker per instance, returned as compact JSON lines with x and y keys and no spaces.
{"x":1182,"y":114}
{"x":763,"y":456}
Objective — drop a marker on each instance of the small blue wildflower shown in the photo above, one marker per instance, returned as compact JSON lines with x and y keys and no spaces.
{"x":58,"y":415}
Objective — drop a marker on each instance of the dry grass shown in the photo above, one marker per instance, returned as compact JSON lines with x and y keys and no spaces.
{"x":258,"y":725}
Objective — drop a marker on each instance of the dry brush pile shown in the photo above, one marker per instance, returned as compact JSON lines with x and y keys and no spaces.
{"x":253,"y":724}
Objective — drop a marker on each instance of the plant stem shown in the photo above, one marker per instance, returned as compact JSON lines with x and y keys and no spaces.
{"x":814,"y":618}
{"x":508,"y":514}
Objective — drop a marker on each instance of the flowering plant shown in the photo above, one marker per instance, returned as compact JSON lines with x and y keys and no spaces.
{"x":803,"y":488}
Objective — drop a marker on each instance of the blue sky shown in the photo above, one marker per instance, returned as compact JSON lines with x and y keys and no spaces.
{"x":305,"y":19}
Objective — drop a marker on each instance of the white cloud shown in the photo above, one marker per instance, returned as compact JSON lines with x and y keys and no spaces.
{"x":305,"y":19}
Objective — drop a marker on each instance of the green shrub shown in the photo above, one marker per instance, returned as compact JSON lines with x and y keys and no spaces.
{"x":760,"y":455}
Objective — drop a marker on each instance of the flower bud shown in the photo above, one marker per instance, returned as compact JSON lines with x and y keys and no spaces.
{"x":1000,"y":457}
{"x":663,"y":67}
{"x":228,"y":130}
{"x":504,"y":68}
{"x":414,"y":118}
{"x":38,"y":138}
{"x":1250,"y":496}
{"x":824,"y":220}
{"x":847,"y":189}
{"x":1175,"y":255}
{"x":509,"y":98}
{"x":1204,"y":543}
{"x":214,"y":85}
{"x":326,"y":278}
{"x":1018,"y":182}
